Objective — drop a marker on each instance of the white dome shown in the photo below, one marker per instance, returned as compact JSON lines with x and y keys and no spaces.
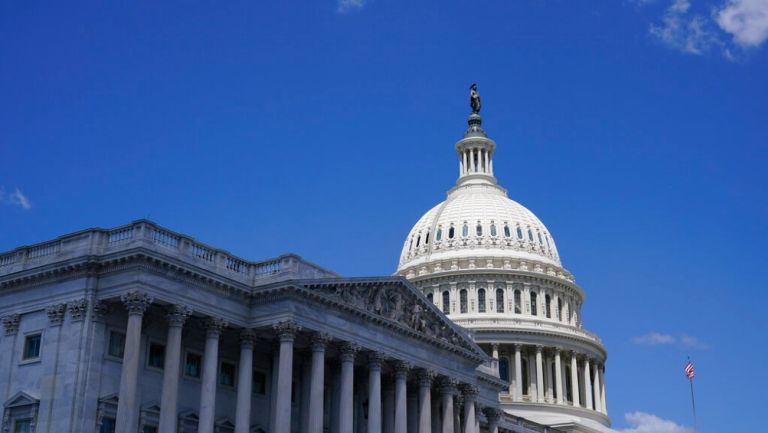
{"x":483,"y":222}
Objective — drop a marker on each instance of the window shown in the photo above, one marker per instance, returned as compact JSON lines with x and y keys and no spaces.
{"x":410,"y":246}
{"x":465,"y":230}
{"x":481,"y":300}
{"x":32,"y":346}
{"x":504,"y":369}
{"x":192,"y":365}
{"x":518,"y":308}
{"x":446,"y":302}
{"x":506,"y":231}
{"x":493,"y":230}
{"x":149,"y":429}
{"x":426,"y":239}
{"x":499,"y":300}
{"x":430,"y":298}
{"x":227,"y":374}
{"x":539,"y":235}
{"x":479,"y":229}
{"x":451,"y":232}
{"x":259,"y":383}
{"x":439,"y":234}
{"x":559,"y":309}
{"x":546,"y":238}
{"x":530,"y":235}
{"x":548,"y":306}
{"x":418,"y":241}
{"x":534,"y":310}
{"x":463,"y":301}
{"x":156,"y":356}
{"x":107,"y":425}
{"x":519,"y":233}
{"x":22,"y":426}
{"x":116,"y":344}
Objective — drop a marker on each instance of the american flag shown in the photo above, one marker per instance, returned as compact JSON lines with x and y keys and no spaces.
{"x":689,"y":370}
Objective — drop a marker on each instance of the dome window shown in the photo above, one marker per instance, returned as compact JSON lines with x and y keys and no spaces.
{"x":465,"y":230}
{"x":410,"y":246}
{"x":559,"y":309}
{"x":451,"y":232}
{"x":548,"y":306}
{"x":540,"y":241}
{"x":481,"y":300}
{"x":534,"y":310}
{"x":479,"y":229}
{"x":504,"y":369}
{"x":518,"y":308}
{"x":493,"y":230}
{"x":426,"y":239}
{"x":519,"y":233}
{"x":463,"y":301}
{"x":530,"y":235}
{"x":418,"y":241}
{"x":430,"y":297}
{"x":446,"y":302}
{"x":439,"y":234}
{"x":506,"y":231}
{"x":499,"y":300}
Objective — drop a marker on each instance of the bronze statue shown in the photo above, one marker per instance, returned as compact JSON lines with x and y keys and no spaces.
{"x":474,"y":99}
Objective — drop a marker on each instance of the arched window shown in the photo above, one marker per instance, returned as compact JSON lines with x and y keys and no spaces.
{"x":479,"y":229}
{"x":548,"y":306}
{"x":569,"y":312}
{"x":410,"y":246}
{"x":539,"y":235}
{"x":559,"y":309}
{"x":426,"y":239}
{"x":439,"y":234}
{"x":506,"y":231}
{"x":534,"y":310}
{"x":446,"y":302}
{"x":519,"y":233}
{"x":463,"y":301}
{"x":530,"y":235}
{"x":418,"y":241}
{"x":518,"y":307}
{"x":493,"y":229}
{"x":499,"y":300}
{"x":546,"y":238}
{"x":504,"y":369}
{"x":524,"y":374}
{"x":430,"y":297}
{"x":481,"y":300}
{"x":451,"y":232}
{"x":465,"y":230}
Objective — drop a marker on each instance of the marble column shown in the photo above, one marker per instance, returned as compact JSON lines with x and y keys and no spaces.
{"x":346,"y":392}
{"x":518,"y":374}
{"x":539,"y":375}
{"x":447,"y":390}
{"x":244,"y":383}
{"x":596,"y":387}
{"x":425,"y":401}
{"x":602,"y":390}
{"x":401,"y":397}
{"x":458,"y":405}
{"x":495,"y":351}
{"x":286,"y":332}
{"x":127,"y":420}
{"x":558,"y":377}
{"x":470,"y":393}
{"x":176,"y":316}
{"x":587,"y":385}
{"x":207,"y":412}
{"x":273,"y":387}
{"x":317,"y":383}
{"x":575,"y":379}
{"x":374,"y":392}
{"x":389,"y":407}
{"x":493,"y":415}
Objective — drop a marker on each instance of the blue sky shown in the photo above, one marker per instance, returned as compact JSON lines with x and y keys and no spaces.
{"x":636,"y":130}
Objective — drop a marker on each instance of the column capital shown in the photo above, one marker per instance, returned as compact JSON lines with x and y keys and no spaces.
{"x":426,"y":377}
{"x":539,"y":348}
{"x":319,"y":341}
{"x":348,"y":351}
{"x":214,"y":326}
{"x":557,"y":350}
{"x":518,"y":347}
{"x":56,"y":314}
{"x":99,"y":309}
{"x":78,"y":309}
{"x":493,"y":414}
{"x":494,"y":346}
{"x":375,"y":359}
{"x":136,"y":302}
{"x":286,"y":330}
{"x":446,"y":385}
{"x":247,"y":336}
{"x":11,"y":323}
{"x":470,"y":392}
{"x":177,"y":315}
{"x":401,"y":368}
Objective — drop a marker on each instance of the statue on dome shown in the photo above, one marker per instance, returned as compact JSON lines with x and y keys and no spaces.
{"x":474,"y":99}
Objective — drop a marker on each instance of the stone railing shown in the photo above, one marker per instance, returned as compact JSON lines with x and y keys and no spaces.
{"x":525,"y":324}
{"x":146,"y":234}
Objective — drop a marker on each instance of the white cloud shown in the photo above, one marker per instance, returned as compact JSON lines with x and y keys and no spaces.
{"x":344,"y":6}
{"x":641,"y":422}
{"x":16,"y":198}
{"x":681,"y":30}
{"x":746,"y":20}
{"x":693,"y":342}
{"x":654,"y":338}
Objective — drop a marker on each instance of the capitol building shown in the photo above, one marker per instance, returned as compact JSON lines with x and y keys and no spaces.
{"x":140,"y":329}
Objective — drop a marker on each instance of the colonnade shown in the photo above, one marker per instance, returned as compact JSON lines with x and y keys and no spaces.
{"x":552,"y":375}
{"x":443,"y":405}
{"x":476,"y":160}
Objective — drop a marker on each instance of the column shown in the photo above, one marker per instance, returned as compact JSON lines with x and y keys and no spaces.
{"x":470,"y":396}
{"x":485,"y":154}
{"x":210,"y":375}
{"x":374,"y":392}
{"x":575,"y":379}
{"x":176,"y":316}
{"x":493,"y":415}
{"x":539,"y":375}
{"x":317,"y":383}
{"x":495,"y":351}
{"x":286,"y":332}
{"x":458,"y":405}
{"x":425,"y":401}
{"x":464,"y":162}
{"x":389,"y":407}
{"x":587,"y":385}
{"x":273,"y":387}
{"x":558,"y":377}
{"x":347,"y":387}
{"x":602,"y":390}
{"x":596,"y":387}
{"x":128,"y":407}
{"x":401,"y":397}
{"x":447,"y":389}
{"x":518,"y":374}
{"x":244,"y":383}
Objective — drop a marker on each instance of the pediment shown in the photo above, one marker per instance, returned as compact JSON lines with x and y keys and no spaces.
{"x":224,"y":422}
{"x":152,"y":406}
{"x":21,"y":399}
{"x":397,"y":301}
{"x":188,"y":415}
{"x":109,"y":398}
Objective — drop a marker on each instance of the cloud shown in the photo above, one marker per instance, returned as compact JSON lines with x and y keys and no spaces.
{"x":683,"y":31}
{"x":653,"y":339}
{"x":693,"y":342}
{"x":641,"y":422}
{"x":16,"y":198}
{"x":745,"y":20}
{"x":344,"y":6}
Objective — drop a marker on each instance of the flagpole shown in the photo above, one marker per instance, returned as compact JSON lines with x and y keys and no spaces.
{"x":693,"y":405}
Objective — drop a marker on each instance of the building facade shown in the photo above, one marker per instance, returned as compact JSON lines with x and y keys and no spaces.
{"x":138,"y":329}
{"x":493,"y":268}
